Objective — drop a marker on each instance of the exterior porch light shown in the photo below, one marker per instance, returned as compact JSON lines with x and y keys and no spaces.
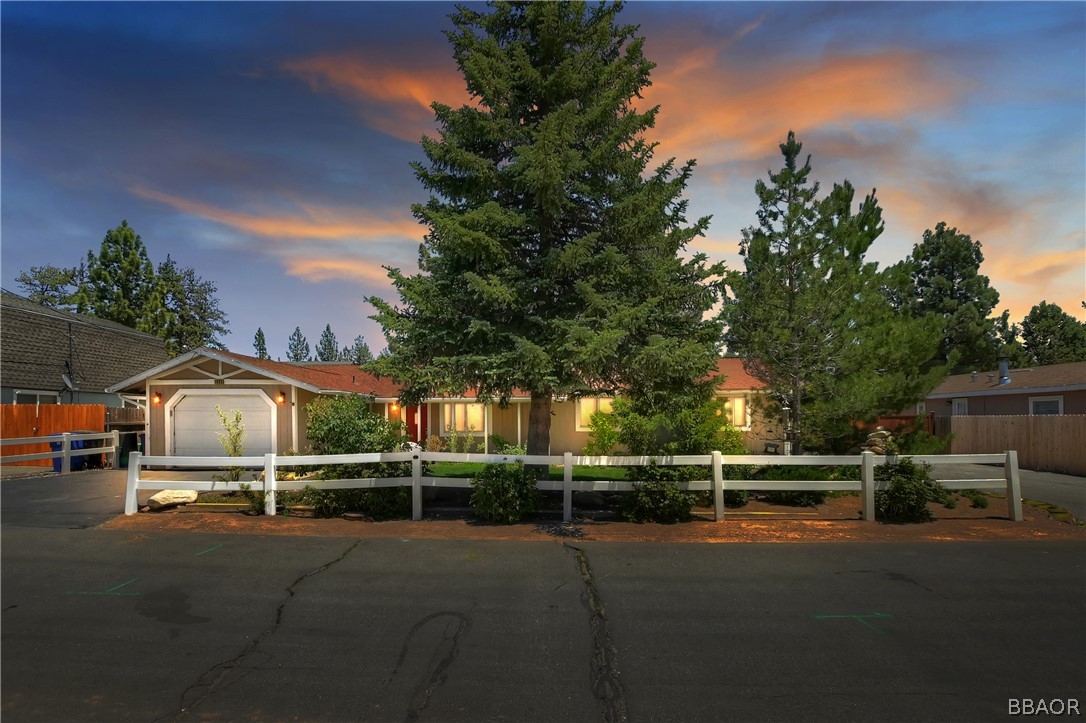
{"x":394,"y":407}
{"x":280,"y":398}
{"x":156,"y":399}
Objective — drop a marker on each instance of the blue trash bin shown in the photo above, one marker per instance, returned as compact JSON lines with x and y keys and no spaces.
{"x":78,"y":463}
{"x":57,"y":446}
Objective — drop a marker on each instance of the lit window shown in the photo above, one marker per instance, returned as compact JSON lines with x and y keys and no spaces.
{"x":586,"y":407}
{"x":736,"y":410}
{"x":462,"y":417}
{"x":1045,"y":405}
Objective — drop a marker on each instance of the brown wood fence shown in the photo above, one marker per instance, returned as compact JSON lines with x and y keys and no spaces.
{"x":34,"y":420}
{"x":1046,"y":443}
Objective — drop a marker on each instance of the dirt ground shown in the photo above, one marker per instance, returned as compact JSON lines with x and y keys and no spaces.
{"x":838,"y":520}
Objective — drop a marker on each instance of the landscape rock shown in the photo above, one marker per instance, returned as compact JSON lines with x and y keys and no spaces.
{"x":171,"y":498}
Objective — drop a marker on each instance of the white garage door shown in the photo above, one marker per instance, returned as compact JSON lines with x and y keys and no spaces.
{"x":196,"y":425}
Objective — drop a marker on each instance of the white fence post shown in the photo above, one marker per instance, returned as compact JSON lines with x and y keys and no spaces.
{"x":567,"y":487}
{"x":66,"y":448}
{"x":416,"y":487}
{"x":867,"y":484}
{"x":718,"y":488}
{"x":116,"y":449}
{"x":269,"y":484}
{"x":1014,"y":488}
{"x":130,"y":489}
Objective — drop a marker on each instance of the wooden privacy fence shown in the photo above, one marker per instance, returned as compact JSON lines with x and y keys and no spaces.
{"x":271,"y":464}
{"x":40,"y":420}
{"x":1044,"y":442}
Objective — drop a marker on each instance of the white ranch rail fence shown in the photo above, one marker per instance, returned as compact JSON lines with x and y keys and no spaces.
{"x":715,"y":482}
{"x":65,"y":452}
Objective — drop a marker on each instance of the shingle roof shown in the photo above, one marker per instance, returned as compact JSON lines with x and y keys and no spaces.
{"x":37,"y":343}
{"x":1062,"y":376}
{"x":737,"y":378}
{"x":327,"y":376}
{"x":345,"y":377}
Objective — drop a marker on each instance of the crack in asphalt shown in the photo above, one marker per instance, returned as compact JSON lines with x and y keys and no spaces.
{"x":210,"y":680}
{"x":443,"y":656}
{"x":606,"y":682}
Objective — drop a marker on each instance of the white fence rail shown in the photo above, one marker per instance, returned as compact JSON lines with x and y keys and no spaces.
{"x":714,"y":464}
{"x":66,"y":451}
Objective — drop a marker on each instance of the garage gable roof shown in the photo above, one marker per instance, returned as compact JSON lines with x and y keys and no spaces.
{"x":317,"y":377}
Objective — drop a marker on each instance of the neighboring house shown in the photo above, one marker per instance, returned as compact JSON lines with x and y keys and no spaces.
{"x":272,"y":397}
{"x":49,"y":356}
{"x":1053,"y":389}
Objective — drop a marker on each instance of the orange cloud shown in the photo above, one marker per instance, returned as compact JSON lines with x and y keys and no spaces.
{"x":327,"y":268}
{"x":392,"y":100}
{"x":315,"y":222}
{"x":715,"y":114}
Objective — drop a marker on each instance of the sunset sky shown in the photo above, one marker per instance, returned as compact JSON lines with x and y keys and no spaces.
{"x":267,"y":145}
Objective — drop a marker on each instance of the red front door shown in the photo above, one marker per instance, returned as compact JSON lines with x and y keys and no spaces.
{"x":412,"y":420}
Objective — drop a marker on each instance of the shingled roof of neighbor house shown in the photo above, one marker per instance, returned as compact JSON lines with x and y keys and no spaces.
{"x":38,"y":343}
{"x":1053,"y":377}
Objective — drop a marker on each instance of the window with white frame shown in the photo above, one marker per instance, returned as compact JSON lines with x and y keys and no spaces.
{"x":1045,"y":405}
{"x":25,"y":396}
{"x":586,"y":407}
{"x":462,"y":417}
{"x":737,"y":412}
{"x":921,"y":409}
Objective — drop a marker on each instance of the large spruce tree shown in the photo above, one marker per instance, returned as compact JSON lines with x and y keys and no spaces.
{"x":552,"y":257}
{"x":946,"y":281}
{"x":120,"y":279}
{"x":813,"y":318}
{"x":327,"y":346}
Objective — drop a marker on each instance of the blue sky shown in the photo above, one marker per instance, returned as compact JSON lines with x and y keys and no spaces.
{"x":268,"y":145}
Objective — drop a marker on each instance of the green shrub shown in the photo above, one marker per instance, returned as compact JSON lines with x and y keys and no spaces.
{"x":805,"y":498}
{"x":504,"y":493}
{"x":919,"y":442}
{"x":602,"y":434}
{"x":380,"y":503}
{"x":978,"y":498}
{"x":347,"y":425}
{"x":658,"y":496}
{"x":910,"y":489}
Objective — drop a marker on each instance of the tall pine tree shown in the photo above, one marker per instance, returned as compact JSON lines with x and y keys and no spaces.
{"x":297,"y":347}
{"x":260,"y":344}
{"x":1052,"y":336}
{"x":357,"y":353}
{"x":183,"y":310}
{"x":327,"y":347}
{"x":946,"y":281}
{"x":120,"y":279}
{"x":813,"y":318}
{"x":552,"y":257}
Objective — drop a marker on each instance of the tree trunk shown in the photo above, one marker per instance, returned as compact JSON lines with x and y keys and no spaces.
{"x":539,"y":430}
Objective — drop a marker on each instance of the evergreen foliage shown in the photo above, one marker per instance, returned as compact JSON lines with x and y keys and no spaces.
{"x":1052,"y":336}
{"x":328,"y":347}
{"x":260,"y":344}
{"x":298,"y":347}
{"x":814,"y":319}
{"x":358,"y":353}
{"x":552,"y":258}
{"x":120,"y":284}
{"x":120,"y":279}
{"x":53,"y":286}
{"x":182,"y":309}
{"x":946,"y":281}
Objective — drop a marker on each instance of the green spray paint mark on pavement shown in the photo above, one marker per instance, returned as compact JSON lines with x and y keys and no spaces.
{"x":111,"y":591}
{"x":860,"y":618}
{"x":210,"y":549}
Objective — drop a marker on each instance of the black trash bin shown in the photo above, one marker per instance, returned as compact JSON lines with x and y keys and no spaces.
{"x":127,"y":447}
{"x":90,"y":461}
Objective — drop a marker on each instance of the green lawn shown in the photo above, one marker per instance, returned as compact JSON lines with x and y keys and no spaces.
{"x":470,"y":469}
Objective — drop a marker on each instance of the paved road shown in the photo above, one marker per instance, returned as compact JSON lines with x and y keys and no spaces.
{"x":119,"y":626}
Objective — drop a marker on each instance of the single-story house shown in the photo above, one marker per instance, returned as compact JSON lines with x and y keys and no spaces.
{"x":48,"y":356}
{"x":272,"y":397}
{"x":1052,"y":389}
